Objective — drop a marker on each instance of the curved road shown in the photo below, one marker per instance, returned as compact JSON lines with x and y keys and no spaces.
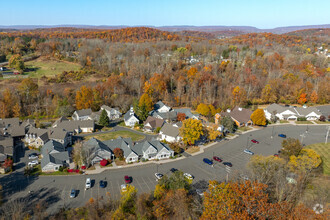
{"x":54,"y":190}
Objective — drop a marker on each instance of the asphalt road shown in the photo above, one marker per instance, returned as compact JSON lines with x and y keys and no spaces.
{"x":54,"y":191}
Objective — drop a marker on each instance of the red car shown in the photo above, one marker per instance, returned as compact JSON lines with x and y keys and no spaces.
{"x":255,"y":141}
{"x":127,"y":179}
{"x":217,"y":159}
{"x":275,"y":155}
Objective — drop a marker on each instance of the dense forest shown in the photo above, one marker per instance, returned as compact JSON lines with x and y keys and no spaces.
{"x":182,"y":69}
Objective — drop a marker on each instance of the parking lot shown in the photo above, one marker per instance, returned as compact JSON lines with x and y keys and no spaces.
{"x":55,"y":190}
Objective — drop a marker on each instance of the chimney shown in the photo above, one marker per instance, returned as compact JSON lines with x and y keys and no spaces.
{"x":228,"y":110}
{"x":239,"y":109}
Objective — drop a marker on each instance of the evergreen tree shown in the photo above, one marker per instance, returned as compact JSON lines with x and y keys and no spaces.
{"x":104,"y":119}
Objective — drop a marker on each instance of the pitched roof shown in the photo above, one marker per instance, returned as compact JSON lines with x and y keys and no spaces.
{"x":94,"y":145}
{"x":324,"y":109}
{"x":159,"y":105}
{"x":154,"y":122}
{"x":111,"y":110}
{"x":123,"y":143}
{"x":276,"y":108}
{"x":59,"y":120}
{"x":57,"y":133}
{"x":37,"y":131}
{"x":52,"y":145}
{"x":130,"y":113}
{"x":84,"y":112}
{"x":164,"y":115}
{"x":71,"y":126}
{"x":10,"y":121}
{"x":6,"y":145}
{"x":307,"y":110}
{"x":170,"y":130}
{"x":186,"y":111}
{"x":57,"y":158}
{"x":241,"y":115}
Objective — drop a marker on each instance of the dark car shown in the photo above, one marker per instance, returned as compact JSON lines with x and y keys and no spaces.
{"x":73,"y":193}
{"x":173,"y":170}
{"x":217,"y":159}
{"x":228,"y":164}
{"x":282,"y":135}
{"x":127,"y":179}
{"x":103,"y":183}
{"x":255,"y":141}
{"x":275,"y":155}
{"x":209,"y":162}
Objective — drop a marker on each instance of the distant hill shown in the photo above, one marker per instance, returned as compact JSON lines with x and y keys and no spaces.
{"x":219,"y":30}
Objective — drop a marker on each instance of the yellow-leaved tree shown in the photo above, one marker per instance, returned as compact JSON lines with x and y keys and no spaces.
{"x":191,"y":131}
{"x":307,"y":160}
{"x":258,"y":117}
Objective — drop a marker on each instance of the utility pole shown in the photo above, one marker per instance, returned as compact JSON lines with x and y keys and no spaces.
{"x":272,"y":133}
{"x":326,"y":137}
{"x":302,"y":138}
{"x":307,"y":129}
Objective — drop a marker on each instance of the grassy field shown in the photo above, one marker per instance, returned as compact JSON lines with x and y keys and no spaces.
{"x":38,"y":68}
{"x":324,"y":151}
{"x":116,"y":134}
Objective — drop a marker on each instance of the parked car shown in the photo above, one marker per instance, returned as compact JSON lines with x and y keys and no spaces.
{"x":127,"y":179}
{"x":33,"y":156}
{"x":275,"y":155}
{"x":103,"y":183}
{"x":123,"y":187}
{"x":158,"y":176}
{"x":173,"y":170}
{"x":209,"y":162}
{"x":199,"y":192}
{"x":73,"y":193}
{"x":88,"y":183}
{"x":248,"y":152}
{"x":282,"y":135}
{"x":217,"y":159}
{"x":228,"y":164}
{"x":188,"y":176}
{"x":255,"y":141}
{"x":33,"y":163}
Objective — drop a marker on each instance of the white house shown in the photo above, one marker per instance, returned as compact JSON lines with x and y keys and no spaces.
{"x":113,"y":113}
{"x":170,"y":133}
{"x":96,"y":151}
{"x":83,"y":114}
{"x":130,"y":118}
{"x":161,"y":107}
{"x":153,"y":150}
{"x":126,"y":145}
{"x":54,"y":156}
{"x":291,"y":112}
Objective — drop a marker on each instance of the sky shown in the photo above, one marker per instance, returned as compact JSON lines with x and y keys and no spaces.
{"x":257,"y":13}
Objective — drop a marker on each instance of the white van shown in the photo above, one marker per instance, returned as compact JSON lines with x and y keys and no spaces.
{"x":88,"y":183}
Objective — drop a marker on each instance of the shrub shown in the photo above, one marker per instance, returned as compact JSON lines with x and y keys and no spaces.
{"x":322,"y":118}
{"x":301,"y":119}
{"x":83,"y":167}
{"x":61,"y":169}
{"x":103,"y":162}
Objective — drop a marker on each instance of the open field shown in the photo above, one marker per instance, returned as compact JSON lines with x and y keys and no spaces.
{"x":38,"y":68}
{"x":116,"y":134}
{"x":324,"y":151}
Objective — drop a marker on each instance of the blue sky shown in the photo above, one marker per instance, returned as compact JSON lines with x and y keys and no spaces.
{"x":261,"y":13}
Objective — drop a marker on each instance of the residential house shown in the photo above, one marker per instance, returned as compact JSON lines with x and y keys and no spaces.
{"x":187,"y":112}
{"x":96,"y":151}
{"x":152,"y":123}
{"x":76,"y":127}
{"x":83,"y":114}
{"x":167,"y":116}
{"x":37,"y":137}
{"x":126,"y":145}
{"x":7,"y":147}
{"x":153,"y":150}
{"x":54,"y":156}
{"x":324,"y":110}
{"x":241,"y":116}
{"x":170,"y":133}
{"x":130,"y":118}
{"x":161,"y":107}
{"x":291,"y":112}
{"x":113,"y":113}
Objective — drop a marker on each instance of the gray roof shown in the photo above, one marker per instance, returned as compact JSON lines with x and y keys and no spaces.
{"x":164,"y":115}
{"x":94,"y":145}
{"x":276,"y":108}
{"x":6,"y":145}
{"x":141,"y":147}
{"x":130,"y":114}
{"x":307,"y":110}
{"x":123,"y":143}
{"x":186,"y":111}
{"x":10,"y":121}
{"x":52,"y":145}
{"x":170,"y":130}
{"x":241,"y":115}
{"x":158,"y":105}
{"x":57,"y":158}
{"x":324,"y":109}
{"x":71,"y":126}
{"x":57,"y":133}
{"x":84,"y":112}
{"x":60,"y":120}
{"x":154,"y":122}
{"x":111,"y":110}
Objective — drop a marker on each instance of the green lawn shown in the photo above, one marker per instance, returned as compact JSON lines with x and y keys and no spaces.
{"x":283,"y":122}
{"x":324,"y":151}
{"x":116,"y":134}
{"x":38,"y":68}
{"x":322,"y":122}
{"x":304,"y":122}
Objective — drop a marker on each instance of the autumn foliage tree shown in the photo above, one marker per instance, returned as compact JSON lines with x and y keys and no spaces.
{"x":258,"y":117}
{"x":84,"y":98}
{"x":16,"y":62}
{"x":213,"y":132}
{"x":203,"y":109}
{"x":191,"y":131}
{"x":181,"y":116}
{"x":302,"y":98}
{"x":118,"y":153}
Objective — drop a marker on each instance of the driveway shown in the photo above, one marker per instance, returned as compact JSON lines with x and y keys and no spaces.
{"x":54,"y":190}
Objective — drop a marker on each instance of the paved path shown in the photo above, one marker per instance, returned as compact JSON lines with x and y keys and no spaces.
{"x":53,"y":191}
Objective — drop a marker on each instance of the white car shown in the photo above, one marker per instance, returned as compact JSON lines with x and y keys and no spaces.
{"x":33,"y":163}
{"x":248,"y":152}
{"x":123,"y":187}
{"x":88,"y":183}
{"x":200,"y":192}
{"x":33,"y":156}
{"x":188,"y":176}
{"x":158,"y":176}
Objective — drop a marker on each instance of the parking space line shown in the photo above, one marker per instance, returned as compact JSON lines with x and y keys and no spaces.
{"x":146,"y":183}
